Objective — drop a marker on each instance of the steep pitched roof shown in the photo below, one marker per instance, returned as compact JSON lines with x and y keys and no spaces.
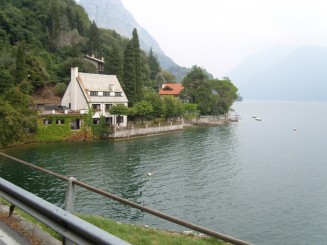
{"x":171,"y":89}
{"x":101,"y":83}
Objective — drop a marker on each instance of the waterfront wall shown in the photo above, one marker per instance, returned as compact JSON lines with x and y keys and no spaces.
{"x":126,"y":133}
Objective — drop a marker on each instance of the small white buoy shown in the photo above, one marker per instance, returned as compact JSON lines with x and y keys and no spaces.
{"x":149,"y":174}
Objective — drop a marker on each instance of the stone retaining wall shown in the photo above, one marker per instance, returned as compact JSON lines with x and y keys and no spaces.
{"x":126,"y":133}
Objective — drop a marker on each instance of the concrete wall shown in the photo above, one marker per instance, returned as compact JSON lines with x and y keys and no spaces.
{"x":126,"y":133}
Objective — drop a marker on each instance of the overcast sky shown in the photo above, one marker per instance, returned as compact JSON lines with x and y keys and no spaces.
{"x":219,"y":34}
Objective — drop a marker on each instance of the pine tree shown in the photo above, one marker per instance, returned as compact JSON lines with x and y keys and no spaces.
{"x":129,"y":78}
{"x":6,"y":80}
{"x":21,"y":72}
{"x":153,"y":64}
{"x":137,"y":64}
{"x":114,"y":64}
{"x":94,"y":38}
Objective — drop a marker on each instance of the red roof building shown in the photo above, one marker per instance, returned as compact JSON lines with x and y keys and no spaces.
{"x":171,"y":89}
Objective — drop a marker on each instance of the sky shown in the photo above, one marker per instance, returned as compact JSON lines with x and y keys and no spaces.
{"x":219,"y":34}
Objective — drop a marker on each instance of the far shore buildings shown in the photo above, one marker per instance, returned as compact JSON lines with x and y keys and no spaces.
{"x":173,"y":89}
{"x":97,"y":91}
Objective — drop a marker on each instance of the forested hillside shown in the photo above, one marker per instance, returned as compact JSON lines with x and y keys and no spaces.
{"x":40,"y":40}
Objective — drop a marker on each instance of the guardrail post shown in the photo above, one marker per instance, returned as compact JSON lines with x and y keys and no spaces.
{"x":70,"y":196}
{"x":69,"y":204}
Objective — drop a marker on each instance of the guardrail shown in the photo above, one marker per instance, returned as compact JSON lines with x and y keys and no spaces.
{"x":68,"y":225}
{"x":70,"y":199}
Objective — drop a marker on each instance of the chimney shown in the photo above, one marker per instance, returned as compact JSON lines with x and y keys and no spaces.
{"x":112,"y":87}
{"x":73,"y":87}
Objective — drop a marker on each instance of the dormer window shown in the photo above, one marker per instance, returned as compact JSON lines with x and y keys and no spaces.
{"x":94,"y":93}
{"x":118,"y":94}
{"x":106,"y":93}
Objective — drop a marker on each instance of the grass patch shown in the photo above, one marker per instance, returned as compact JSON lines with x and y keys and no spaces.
{"x":138,"y":235}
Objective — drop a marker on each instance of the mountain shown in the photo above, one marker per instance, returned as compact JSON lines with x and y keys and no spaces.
{"x":111,"y":14}
{"x":283,"y":73}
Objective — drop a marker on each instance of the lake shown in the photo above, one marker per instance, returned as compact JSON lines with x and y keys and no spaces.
{"x":259,"y":181}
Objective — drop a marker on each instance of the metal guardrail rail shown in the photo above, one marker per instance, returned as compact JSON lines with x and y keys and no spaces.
{"x":68,"y":225}
{"x":70,"y":197}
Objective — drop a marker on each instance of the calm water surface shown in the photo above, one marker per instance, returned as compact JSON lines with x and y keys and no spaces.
{"x":259,"y":181}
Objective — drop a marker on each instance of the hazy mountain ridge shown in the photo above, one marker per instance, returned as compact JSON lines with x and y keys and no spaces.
{"x":283,"y":73}
{"x":111,"y":14}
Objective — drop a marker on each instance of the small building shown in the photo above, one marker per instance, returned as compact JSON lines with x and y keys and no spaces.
{"x":97,"y":91}
{"x":173,"y":89}
{"x":98,"y":63}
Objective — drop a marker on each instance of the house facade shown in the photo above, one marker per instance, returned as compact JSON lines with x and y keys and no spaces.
{"x":98,"y":63}
{"x":173,"y":89}
{"x":97,"y":91}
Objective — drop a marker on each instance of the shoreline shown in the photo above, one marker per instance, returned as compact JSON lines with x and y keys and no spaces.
{"x":186,"y":124}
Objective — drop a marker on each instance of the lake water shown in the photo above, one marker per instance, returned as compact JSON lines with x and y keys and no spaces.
{"x":259,"y":181}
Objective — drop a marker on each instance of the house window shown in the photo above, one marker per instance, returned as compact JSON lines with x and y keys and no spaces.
{"x":60,"y":121}
{"x":94,"y":93}
{"x":118,"y":94}
{"x":109,"y":120}
{"x":47,"y":121}
{"x":120,"y":119}
{"x":96,"y":107}
{"x":108,"y":106}
{"x":106,"y":93}
{"x":96,"y":121}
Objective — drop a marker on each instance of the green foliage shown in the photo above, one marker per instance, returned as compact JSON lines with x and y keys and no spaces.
{"x":60,"y":89}
{"x":114,"y":64}
{"x":88,"y":119}
{"x":137,"y":65}
{"x":212,"y":96}
{"x":224,"y":96}
{"x":153,"y":64}
{"x":6,"y":80}
{"x":21,"y":66}
{"x":94,"y":38}
{"x":157,"y":103}
{"x":174,"y":107}
{"x":119,"y":110}
{"x":190,"y":111}
{"x":53,"y":131}
{"x":83,"y":66}
{"x":138,"y":235}
{"x":16,"y":119}
{"x":143,"y":108}
{"x":129,"y":78}
{"x":100,"y":130}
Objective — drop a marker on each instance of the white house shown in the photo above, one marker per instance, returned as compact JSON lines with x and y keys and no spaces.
{"x":98,"y":91}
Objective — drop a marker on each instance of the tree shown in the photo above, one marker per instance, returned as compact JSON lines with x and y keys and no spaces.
{"x":119,"y":110}
{"x":16,"y":119}
{"x":94,"y":38}
{"x":21,"y":67}
{"x":129,"y":79}
{"x":173,"y":107}
{"x":143,"y":108}
{"x":137,"y":65}
{"x":157,"y":103}
{"x":114,"y":64}
{"x":153,"y":64}
{"x":190,"y":111}
{"x":224,"y":96}
{"x":6,"y":80}
{"x":60,"y":89}
{"x":197,"y":90}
